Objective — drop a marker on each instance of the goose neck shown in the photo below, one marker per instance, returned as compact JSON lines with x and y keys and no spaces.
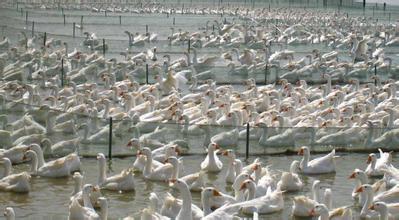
{"x":102,"y":175}
{"x":187,"y":200}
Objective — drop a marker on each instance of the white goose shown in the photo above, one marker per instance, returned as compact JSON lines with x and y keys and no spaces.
{"x":186,"y":212}
{"x":290,"y":181}
{"x":212,"y":162}
{"x":9,"y":213}
{"x":228,"y":138}
{"x":78,"y":212}
{"x":271,"y":202}
{"x":60,"y":167}
{"x":321,"y":210}
{"x":195,"y":181}
{"x":120,"y":182}
{"x":161,"y":173}
{"x":386,"y":211}
{"x":14,"y":182}
{"x":325,"y":164}
{"x":77,"y":191}
{"x":375,"y":166}
{"x":302,"y":204}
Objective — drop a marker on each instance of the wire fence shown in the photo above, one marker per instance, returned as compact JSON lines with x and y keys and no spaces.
{"x":90,"y":132}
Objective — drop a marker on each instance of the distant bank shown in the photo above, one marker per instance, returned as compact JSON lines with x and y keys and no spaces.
{"x":389,"y":2}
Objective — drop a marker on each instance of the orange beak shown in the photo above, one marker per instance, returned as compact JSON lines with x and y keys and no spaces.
{"x":225,"y":153}
{"x":352,"y":176}
{"x":139,"y":152}
{"x":24,"y":157}
{"x":243,"y":186}
{"x":300,"y":152}
{"x":96,"y":189}
{"x":255,"y":167}
{"x":312,"y":212}
{"x":359,"y":190}
{"x":216,"y":146}
{"x":369,"y":159}
{"x":178,"y":151}
{"x":129,"y":144}
{"x":172,"y":181}
{"x":216,"y":193}
{"x":372,"y":207}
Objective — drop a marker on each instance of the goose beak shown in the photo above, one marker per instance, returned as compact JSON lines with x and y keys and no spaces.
{"x":216,"y":193}
{"x":96,"y":189}
{"x":359,"y":190}
{"x":300,"y":152}
{"x":243,"y":186}
{"x":172,"y":182}
{"x":312,"y":212}
{"x":139,"y":152}
{"x":129,"y":144}
{"x":178,"y":151}
{"x":225,"y":153}
{"x":372,"y":207}
{"x":352,"y":176}
{"x":216,"y":146}
{"x":369,"y":159}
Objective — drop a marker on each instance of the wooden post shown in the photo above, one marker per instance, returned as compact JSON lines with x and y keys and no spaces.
{"x":73,"y":29}
{"x":247,"y":144}
{"x":110,"y":139}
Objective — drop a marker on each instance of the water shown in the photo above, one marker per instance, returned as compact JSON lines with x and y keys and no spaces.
{"x":49,"y":198}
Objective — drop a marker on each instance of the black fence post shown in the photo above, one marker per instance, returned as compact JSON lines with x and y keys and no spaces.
{"x":375,"y":74}
{"x":146,"y":73}
{"x":64,"y":20}
{"x":105,"y":13}
{"x":62,"y":73}
{"x":33,"y":28}
{"x":266,"y":70}
{"x":120,"y":20}
{"x":247,"y":143}
{"x":389,"y":17}
{"x":26,"y":17}
{"x":44,"y":39}
{"x":110,"y":139}
{"x":81,"y":21}
{"x":189,"y":45}
{"x":73,"y":31}
{"x":146,"y":29}
{"x":174,"y":20}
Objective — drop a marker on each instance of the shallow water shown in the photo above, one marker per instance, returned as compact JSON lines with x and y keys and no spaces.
{"x":49,"y":197}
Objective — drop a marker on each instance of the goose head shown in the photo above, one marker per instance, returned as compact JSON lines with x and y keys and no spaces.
{"x":318,"y":210}
{"x":365,"y":188}
{"x":145,"y":151}
{"x":134,"y":142}
{"x":380,"y":207}
{"x":229,"y":153}
{"x":303,"y":150}
{"x":9,"y":213}
{"x":371,"y":158}
{"x":209,"y":192}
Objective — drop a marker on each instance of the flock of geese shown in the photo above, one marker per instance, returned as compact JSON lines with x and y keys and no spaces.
{"x":187,"y":96}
